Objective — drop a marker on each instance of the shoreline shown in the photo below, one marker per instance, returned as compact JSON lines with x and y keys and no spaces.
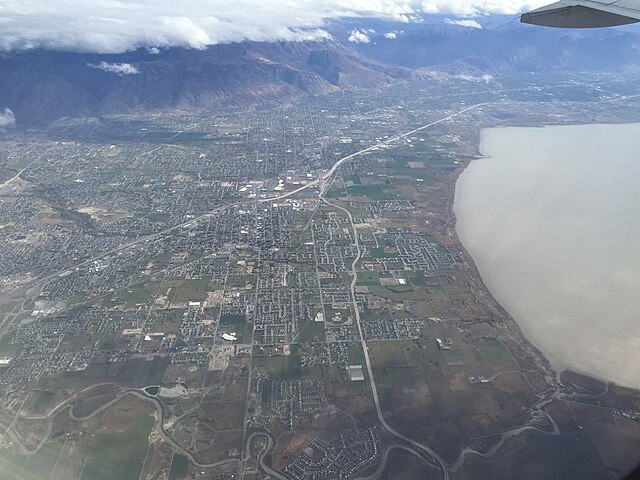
{"x":484,"y":295}
{"x":487,"y":298}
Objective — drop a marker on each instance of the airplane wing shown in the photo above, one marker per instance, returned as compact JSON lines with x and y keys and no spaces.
{"x":585,"y":13}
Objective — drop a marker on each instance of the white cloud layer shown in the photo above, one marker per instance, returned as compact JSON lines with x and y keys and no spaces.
{"x":486,"y":78}
{"x":119,"y":68}
{"x":114,"y":26}
{"x":358,"y":36}
{"x":465,"y":22}
{"x":391,"y":35}
{"x":7,"y":118}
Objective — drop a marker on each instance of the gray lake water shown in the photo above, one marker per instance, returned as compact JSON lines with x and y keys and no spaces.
{"x":551,"y":217}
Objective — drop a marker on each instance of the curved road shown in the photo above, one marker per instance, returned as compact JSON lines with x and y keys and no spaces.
{"x":374,"y":391}
{"x":325,"y":182}
{"x":385,"y":457}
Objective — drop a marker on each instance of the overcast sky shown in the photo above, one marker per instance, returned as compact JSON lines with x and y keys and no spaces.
{"x":114,"y":26}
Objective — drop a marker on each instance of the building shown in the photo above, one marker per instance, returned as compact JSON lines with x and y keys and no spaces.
{"x":355,"y":373}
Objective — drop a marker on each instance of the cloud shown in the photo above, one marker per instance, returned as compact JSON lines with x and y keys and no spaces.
{"x":391,"y":35}
{"x":358,"y":36}
{"x":116,"y":26}
{"x":467,"y":22}
{"x":471,"y":8}
{"x":119,"y":68}
{"x":486,"y":78}
{"x":7,"y":119}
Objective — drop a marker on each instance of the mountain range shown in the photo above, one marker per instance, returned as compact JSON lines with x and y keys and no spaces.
{"x":40,"y":86}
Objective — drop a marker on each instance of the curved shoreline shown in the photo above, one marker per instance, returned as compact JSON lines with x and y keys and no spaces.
{"x":553,"y":287}
{"x":488,"y":299}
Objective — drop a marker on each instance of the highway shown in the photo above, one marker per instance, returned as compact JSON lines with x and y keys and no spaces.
{"x":365,"y":349}
{"x":329,"y":173}
{"x":36,"y":282}
{"x":325,"y":183}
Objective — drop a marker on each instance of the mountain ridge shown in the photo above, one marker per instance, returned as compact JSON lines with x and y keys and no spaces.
{"x":41,"y":86}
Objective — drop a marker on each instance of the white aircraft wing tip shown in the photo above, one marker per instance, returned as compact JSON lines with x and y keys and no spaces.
{"x":580,"y":14}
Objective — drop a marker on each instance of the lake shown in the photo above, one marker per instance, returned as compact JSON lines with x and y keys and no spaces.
{"x":551,"y":217}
